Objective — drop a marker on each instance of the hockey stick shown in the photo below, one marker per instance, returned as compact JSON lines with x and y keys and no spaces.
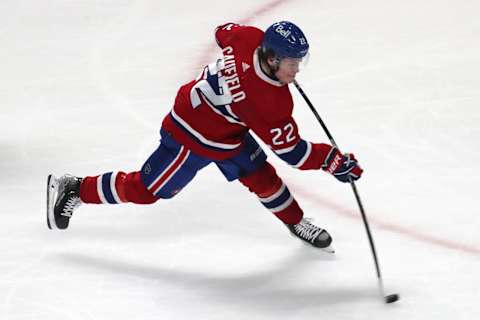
{"x":389,"y":298}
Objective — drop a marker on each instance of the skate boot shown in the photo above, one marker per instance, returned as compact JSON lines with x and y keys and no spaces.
{"x":63,"y":196}
{"x":312,"y":234}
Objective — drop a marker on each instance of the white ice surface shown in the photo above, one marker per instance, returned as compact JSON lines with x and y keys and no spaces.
{"x":84,"y":86}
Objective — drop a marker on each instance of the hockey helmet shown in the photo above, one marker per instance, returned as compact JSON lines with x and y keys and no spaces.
{"x":286,"y":40}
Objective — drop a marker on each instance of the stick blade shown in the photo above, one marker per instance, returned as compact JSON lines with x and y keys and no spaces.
{"x":392,"y":298}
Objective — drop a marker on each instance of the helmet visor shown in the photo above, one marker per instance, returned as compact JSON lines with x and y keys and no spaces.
{"x":295,"y":64}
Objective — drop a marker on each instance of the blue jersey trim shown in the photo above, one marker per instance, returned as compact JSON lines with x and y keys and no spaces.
{"x":294,"y":156}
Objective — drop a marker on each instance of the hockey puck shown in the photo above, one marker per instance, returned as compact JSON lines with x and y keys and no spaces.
{"x":391,"y":298}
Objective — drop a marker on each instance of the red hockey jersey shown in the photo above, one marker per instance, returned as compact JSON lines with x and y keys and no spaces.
{"x":213,"y":113}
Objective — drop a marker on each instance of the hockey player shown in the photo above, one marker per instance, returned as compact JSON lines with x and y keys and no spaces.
{"x":246,"y":89}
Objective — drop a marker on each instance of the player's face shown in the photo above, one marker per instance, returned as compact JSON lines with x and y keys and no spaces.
{"x":288,"y":69}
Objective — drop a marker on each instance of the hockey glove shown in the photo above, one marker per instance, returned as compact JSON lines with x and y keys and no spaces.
{"x":343,"y":167}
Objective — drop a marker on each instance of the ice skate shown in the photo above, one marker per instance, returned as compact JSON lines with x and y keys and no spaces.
{"x":63,"y":197}
{"x":312,"y":235}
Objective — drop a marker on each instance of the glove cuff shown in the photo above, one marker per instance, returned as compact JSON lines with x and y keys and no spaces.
{"x":332,"y":161}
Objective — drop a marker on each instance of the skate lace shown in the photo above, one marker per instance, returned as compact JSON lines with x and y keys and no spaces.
{"x":307,"y":231}
{"x":71,"y":204}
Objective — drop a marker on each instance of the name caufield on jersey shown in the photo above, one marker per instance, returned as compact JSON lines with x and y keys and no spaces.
{"x":231,"y":75}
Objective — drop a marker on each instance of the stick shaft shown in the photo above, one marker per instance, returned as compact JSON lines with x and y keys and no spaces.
{"x":319,"y":119}
{"x":354,"y":188}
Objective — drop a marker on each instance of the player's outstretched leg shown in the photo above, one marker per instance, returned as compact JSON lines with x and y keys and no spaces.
{"x":63,"y":197}
{"x":66,"y":193}
{"x":276,"y":197}
{"x":310,"y":233}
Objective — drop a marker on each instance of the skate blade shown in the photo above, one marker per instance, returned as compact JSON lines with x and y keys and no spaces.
{"x":329,"y":249}
{"x":52,"y":189}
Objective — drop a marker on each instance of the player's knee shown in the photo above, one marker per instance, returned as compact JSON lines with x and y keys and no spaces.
{"x":134,"y":190}
{"x":263,"y":181}
{"x":169,"y":190}
{"x":167,"y":193}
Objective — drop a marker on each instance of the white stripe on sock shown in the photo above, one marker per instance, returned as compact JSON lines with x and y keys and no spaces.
{"x":113,"y":187}
{"x":273,"y":196}
{"x":282,"y":206}
{"x":101,"y":195}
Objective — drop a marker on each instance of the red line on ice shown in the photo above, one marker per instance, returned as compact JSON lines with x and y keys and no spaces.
{"x":409,"y":232}
{"x":206,"y":57}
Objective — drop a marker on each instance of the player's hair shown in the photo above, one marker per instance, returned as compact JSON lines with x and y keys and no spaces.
{"x":266,"y":53}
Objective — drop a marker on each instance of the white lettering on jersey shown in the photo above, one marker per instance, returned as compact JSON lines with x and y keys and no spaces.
{"x":221,"y":99}
{"x":223,"y":76}
{"x":231,"y":75}
{"x":283,"y":135}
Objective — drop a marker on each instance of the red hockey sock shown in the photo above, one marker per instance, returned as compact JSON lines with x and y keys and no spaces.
{"x":115,"y":187}
{"x":273,"y":194}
